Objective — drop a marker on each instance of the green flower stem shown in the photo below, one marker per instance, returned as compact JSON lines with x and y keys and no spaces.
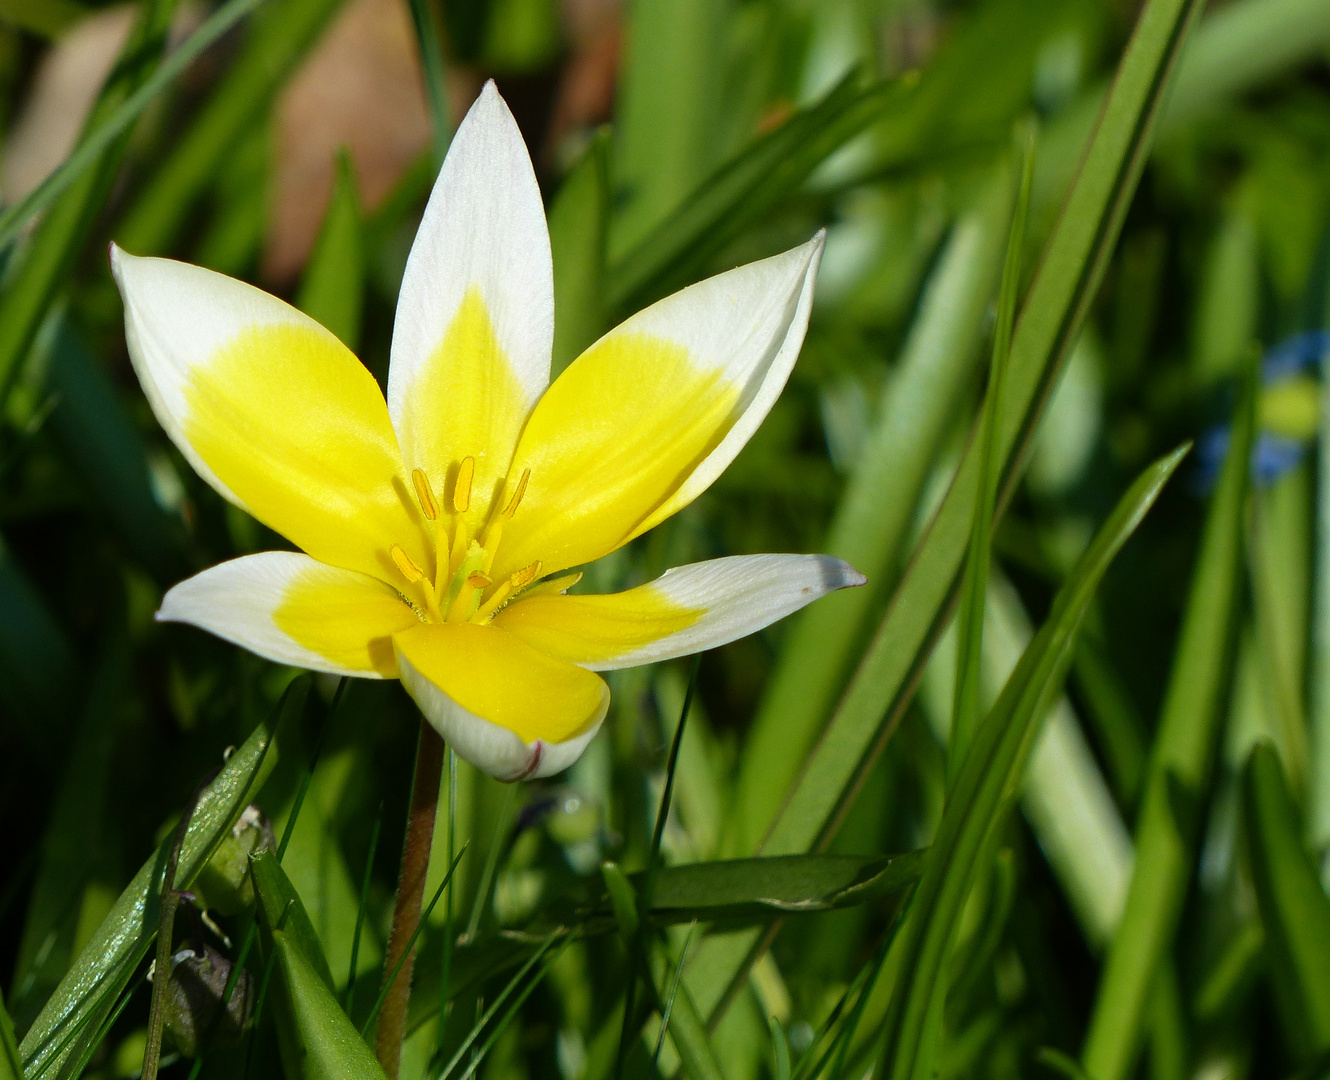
{"x":410,"y":890}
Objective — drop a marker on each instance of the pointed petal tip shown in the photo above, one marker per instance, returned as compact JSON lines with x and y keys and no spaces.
{"x":841,"y":575}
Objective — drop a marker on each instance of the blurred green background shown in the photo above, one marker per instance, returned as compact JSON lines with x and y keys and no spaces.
{"x":1175,"y":283}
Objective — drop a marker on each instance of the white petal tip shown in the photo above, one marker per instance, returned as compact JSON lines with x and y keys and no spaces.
{"x":838,"y":574}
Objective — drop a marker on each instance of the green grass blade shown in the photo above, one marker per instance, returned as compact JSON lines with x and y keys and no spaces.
{"x":1179,"y":769}
{"x":872,"y":520}
{"x":974,"y":591}
{"x":739,"y":193}
{"x":666,"y":109}
{"x":578,"y":219}
{"x":1069,"y":275}
{"x":332,"y":291}
{"x":330,"y":1048}
{"x":93,"y":983}
{"x":73,"y":195}
{"x":1055,"y":306}
{"x":99,"y":438}
{"x":1294,"y":909}
{"x":11,"y":1068}
{"x":276,"y":44}
{"x":436,"y":86}
{"x":987,"y":778}
{"x":72,"y":850}
{"x":279,"y":907}
{"x":411,"y":943}
{"x":362,"y":909}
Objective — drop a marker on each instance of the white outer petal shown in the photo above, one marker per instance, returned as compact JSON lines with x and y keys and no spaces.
{"x":748,"y":323}
{"x":484,"y":226}
{"x":741,"y":595}
{"x":236,"y":599}
{"x":489,"y":747}
{"x":178,"y":317}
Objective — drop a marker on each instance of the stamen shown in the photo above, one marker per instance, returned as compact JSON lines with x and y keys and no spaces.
{"x":519,"y":580}
{"x":526,"y":575}
{"x":466,"y":472}
{"x":511,"y":508}
{"x":409,"y":570}
{"x":427,"y":504}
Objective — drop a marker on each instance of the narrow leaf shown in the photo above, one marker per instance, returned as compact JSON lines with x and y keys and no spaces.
{"x":276,"y":44}
{"x":1294,"y":908}
{"x":329,"y":1047}
{"x":1179,"y":770}
{"x":89,"y":990}
{"x":1070,"y":271}
{"x":332,"y":291}
{"x":988,"y":777}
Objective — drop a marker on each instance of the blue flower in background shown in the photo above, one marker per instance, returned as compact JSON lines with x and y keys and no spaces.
{"x":1289,"y":413}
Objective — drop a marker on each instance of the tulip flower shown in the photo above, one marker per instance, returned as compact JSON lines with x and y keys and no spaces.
{"x":440,"y":529}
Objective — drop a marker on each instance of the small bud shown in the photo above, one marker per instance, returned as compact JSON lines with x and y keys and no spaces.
{"x":194,"y":1018}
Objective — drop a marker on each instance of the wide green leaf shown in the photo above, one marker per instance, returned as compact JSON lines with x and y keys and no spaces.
{"x":279,"y":908}
{"x":872,"y":519}
{"x":579,"y":219}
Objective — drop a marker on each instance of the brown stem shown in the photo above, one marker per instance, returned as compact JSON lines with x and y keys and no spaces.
{"x":410,"y":889}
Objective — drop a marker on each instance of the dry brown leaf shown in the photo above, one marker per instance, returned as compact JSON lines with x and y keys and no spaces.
{"x":361,"y":88}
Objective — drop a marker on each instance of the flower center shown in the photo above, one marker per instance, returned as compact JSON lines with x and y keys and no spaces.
{"x":461,"y":589}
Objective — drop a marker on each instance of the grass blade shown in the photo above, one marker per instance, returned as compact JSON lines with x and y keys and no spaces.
{"x":1055,"y":308}
{"x":974,"y":591}
{"x":1294,"y":909}
{"x":81,"y":186}
{"x":287,"y":31}
{"x":91,"y":986}
{"x":1179,"y":768}
{"x":988,"y":777}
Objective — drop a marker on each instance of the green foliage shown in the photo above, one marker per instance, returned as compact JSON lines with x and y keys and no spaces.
{"x":1050,"y":795}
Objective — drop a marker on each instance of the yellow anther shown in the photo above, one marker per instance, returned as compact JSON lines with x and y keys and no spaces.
{"x":526,"y":575}
{"x":479,"y":580}
{"x":466,"y":472}
{"x":511,"y":508}
{"x":519,"y":580}
{"x":427,"y":504}
{"x":410,"y":570}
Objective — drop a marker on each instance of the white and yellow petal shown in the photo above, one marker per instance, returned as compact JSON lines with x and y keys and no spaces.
{"x":271,"y":409}
{"x":647,"y":418}
{"x":507,"y":708}
{"x":688,"y":609}
{"x":475,"y":317}
{"x":294,"y":610}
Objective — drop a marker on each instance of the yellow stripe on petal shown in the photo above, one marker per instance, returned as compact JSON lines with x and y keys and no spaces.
{"x":594,"y":630}
{"x":295,"y":426}
{"x":291,"y":609}
{"x":466,"y":402}
{"x":271,"y":410}
{"x":351,"y":628}
{"x":612,"y":438}
{"x":498,"y":678}
{"x":686,"y":610}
